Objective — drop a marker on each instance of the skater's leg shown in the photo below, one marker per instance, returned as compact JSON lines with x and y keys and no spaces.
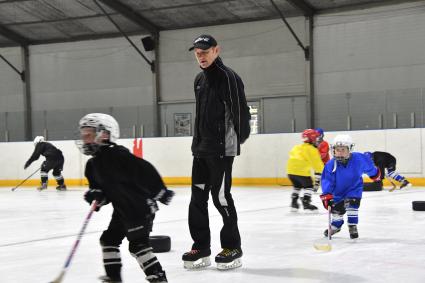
{"x":139,"y":247}
{"x":352,"y":207}
{"x":110,"y":242}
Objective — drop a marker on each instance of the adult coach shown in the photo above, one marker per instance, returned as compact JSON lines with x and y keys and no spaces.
{"x":221,"y":126}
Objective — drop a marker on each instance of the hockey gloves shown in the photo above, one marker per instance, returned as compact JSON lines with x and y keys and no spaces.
{"x":165,"y":196}
{"x":27,"y":164}
{"x":327,"y":200}
{"x":316,"y":185}
{"x":98,"y":195}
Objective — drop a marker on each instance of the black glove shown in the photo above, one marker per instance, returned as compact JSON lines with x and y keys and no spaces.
{"x":98,"y":196}
{"x":27,"y":164}
{"x":165,"y":196}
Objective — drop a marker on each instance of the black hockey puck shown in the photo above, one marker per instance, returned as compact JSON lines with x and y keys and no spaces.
{"x":160,"y":243}
{"x":418,"y":205}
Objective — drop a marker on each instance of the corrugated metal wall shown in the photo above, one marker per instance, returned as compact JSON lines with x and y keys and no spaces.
{"x":369,"y":69}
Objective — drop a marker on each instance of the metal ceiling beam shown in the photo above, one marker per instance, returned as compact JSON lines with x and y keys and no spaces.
{"x":182,"y":6}
{"x":304,"y":48}
{"x":69,"y":19}
{"x":131,"y":14}
{"x":82,"y":38}
{"x":11,"y":35}
{"x":303,"y":6}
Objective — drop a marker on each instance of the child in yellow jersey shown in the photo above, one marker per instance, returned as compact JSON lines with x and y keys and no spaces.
{"x":302,"y":158}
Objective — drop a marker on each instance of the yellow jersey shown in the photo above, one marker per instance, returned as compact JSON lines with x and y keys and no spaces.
{"x":302,"y":158}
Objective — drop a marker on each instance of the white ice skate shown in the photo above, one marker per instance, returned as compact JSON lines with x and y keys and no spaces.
{"x":197,"y":264}
{"x":229,"y":265}
{"x":229,"y":259}
{"x":196,"y":259}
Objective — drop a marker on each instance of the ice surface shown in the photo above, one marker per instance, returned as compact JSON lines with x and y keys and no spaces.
{"x":39,"y":228}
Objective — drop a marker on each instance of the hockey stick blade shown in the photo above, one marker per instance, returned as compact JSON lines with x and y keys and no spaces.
{"x":323,"y":247}
{"x":59,"y":278}
{"x":326,"y":246}
{"x":14,"y":188}
{"x":393,"y":188}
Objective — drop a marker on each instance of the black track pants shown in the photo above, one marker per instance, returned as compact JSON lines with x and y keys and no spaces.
{"x":213,"y":175}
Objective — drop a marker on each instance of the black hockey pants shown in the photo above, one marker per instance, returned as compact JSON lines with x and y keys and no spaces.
{"x":213,"y":174}
{"x":52,"y":163}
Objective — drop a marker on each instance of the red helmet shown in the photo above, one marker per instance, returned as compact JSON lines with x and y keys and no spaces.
{"x":310,"y":135}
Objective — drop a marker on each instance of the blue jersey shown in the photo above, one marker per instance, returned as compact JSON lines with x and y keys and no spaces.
{"x":345,"y":180}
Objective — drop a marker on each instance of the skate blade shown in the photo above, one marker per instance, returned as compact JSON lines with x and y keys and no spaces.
{"x":106,"y":279}
{"x":294,"y":209}
{"x":197,"y":264}
{"x":229,"y":265}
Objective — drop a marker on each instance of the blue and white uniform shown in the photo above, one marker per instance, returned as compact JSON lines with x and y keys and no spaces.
{"x":345,"y":183}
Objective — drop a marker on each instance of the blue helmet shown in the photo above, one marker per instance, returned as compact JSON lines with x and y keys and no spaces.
{"x":321,"y":132}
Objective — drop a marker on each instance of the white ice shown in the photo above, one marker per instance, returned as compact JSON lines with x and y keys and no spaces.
{"x":38,"y":230}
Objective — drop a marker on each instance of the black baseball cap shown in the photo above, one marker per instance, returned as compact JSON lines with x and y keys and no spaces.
{"x":204,"y":42}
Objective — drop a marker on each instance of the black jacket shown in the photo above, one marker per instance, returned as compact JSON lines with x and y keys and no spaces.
{"x":215,"y":87}
{"x":128,"y":182}
{"x":384,"y":160}
{"x":47,"y":150}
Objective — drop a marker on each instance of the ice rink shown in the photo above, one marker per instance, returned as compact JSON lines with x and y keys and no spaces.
{"x":39,"y":228}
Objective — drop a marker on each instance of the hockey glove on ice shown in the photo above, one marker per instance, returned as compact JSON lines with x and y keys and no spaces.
{"x":327,"y":200}
{"x":165,"y":196}
{"x":98,"y":195}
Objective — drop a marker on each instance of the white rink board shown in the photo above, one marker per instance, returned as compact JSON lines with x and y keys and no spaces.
{"x":263,"y":156}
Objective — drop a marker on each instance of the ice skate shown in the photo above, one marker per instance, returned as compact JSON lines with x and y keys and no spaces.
{"x":405,"y":183}
{"x":43,"y":186}
{"x":334,"y":230}
{"x":107,"y":279}
{"x":195,"y":259}
{"x":229,"y":259}
{"x":307,"y":204}
{"x":294,"y":204}
{"x":157,"y":278}
{"x":352,"y":229}
{"x":61,"y":187}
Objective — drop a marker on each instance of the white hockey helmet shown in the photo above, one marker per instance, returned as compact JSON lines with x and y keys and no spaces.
{"x":38,"y":139}
{"x":101,"y":122}
{"x":342,"y":141}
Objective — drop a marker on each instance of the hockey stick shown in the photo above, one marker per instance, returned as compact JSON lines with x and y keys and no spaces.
{"x":326,"y":247}
{"x":14,"y":188}
{"x":394,"y":186}
{"x":76,"y":243}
